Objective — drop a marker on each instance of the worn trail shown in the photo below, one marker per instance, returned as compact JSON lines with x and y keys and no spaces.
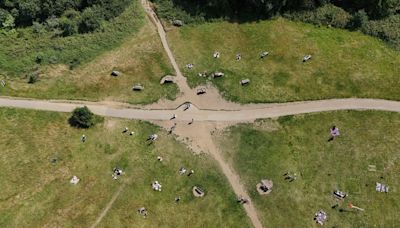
{"x":108,"y":207}
{"x":248,"y":113}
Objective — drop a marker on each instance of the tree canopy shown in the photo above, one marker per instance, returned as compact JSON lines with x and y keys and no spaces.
{"x":67,"y":16}
{"x":82,"y":118}
{"x":375,"y":9}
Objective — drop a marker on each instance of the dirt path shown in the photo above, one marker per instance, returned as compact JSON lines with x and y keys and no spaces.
{"x":248,"y":113}
{"x":108,"y":207}
{"x":199,"y":139}
{"x":208,"y":145}
{"x":180,"y":79}
{"x":212,"y":99}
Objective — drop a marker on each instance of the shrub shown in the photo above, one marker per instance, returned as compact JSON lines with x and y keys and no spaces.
{"x":68,"y":27}
{"x":285,"y":119}
{"x":38,"y":27}
{"x":167,"y":10}
{"x":326,"y":15}
{"x":359,"y":19}
{"x":39,"y":58}
{"x":82,"y":118}
{"x":33,"y":77}
{"x":387,"y":29}
{"x":91,"y":20}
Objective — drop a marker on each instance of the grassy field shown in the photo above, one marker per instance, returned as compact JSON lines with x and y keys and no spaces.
{"x":36,"y":191}
{"x":137,"y":53}
{"x":270,"y":148}
{"x":344,"y":64}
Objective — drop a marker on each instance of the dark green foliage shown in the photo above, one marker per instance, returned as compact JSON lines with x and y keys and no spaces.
{"x":387,"y":29}
{"x":33,"y":77}
{"x":74,"y":63}
{"x":19,"y":56}
{"x":82,"y":118}
{"x":336,"y":13}
{"x":91,"y":20}
{"x":359,"y":19}
{"x":85,"y":14}
{"x":326,"y":15}
{"x":69,"y":27}
{"x":285,"y":119}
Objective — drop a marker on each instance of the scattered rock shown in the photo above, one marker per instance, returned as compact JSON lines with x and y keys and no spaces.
{"x":265,"y":187}
{"x":306,"y":58}
{"x":177,"y":23}
{"x":218,"y":74}
{"x":244,"y":81}
{"x":201,"y":91}
{"x":138,"y":87}
{"x":167,"y":79}
{"x":198,"y":192}
{"x":116,"y":73}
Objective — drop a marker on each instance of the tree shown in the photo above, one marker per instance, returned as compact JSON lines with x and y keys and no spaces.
{"x":9,"y":22}
{"x":82,"y":118}
{"x":359,"y":19}
{"x":91,"y":19}
{"x":332,"y":15}
{"x":69,"y":27}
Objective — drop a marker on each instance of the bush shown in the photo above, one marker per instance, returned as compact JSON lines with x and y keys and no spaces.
{"x":91,"y":20}
{"x":68,"y":27}
{"x":167,"y":10}
{"x":326,"y":15}
{"x":387,"y":29}
{"x":74,"y":63}
{"x":359,"y":19}
{"x":33,"y":77}
{"x":82,"y":118}
{"x":38,"y":28}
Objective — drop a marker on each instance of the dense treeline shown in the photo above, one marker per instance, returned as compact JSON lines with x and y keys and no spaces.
{"x":375,"y":9}
{"x":380,"y":18}
{"x":64,"y":17}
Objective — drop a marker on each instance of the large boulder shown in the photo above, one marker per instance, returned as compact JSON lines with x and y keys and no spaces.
{"x":218,"y":74}
{"x":138,"y":87}
{"x":177,"y":23}
{"x":244,"y":81}
{"x":115,"y":73}
{"x":167,"y":79}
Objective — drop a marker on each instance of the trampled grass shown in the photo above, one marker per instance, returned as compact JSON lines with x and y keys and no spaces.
{"x":36,"y":191}
{"x":298,"y":144}
{"x":344,"y":64}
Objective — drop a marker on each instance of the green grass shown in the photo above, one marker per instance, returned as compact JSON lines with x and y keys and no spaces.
{"x":37,"y":193}
{"x":128,"y":44}
{"x":344,"y":64}
{"x":19,"y":55}
{"x":270,"y":148}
